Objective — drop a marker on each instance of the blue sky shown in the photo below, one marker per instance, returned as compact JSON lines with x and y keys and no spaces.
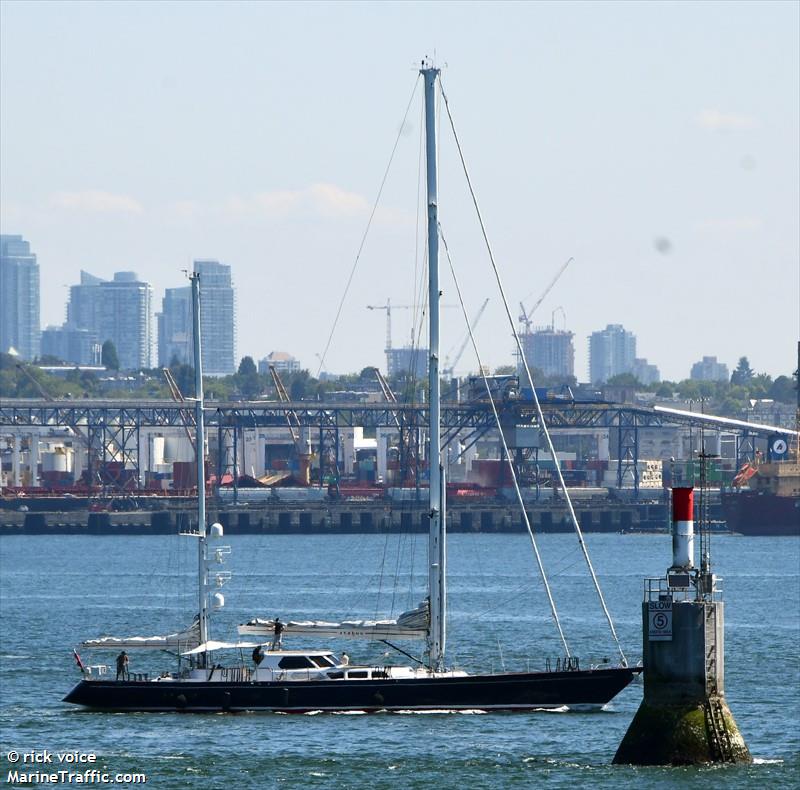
{"x":143,"y":135}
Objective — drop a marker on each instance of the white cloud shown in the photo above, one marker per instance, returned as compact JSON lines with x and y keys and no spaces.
{"x":316,"y":200}
{"x":97,"y":201}
{"x":716,"y":120}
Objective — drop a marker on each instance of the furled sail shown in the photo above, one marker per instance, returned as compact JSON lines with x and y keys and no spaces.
{"x":180,"y":641}
{"x":413,"y":624}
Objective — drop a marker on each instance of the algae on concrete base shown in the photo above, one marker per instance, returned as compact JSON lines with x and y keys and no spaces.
{"x":681,"y":735}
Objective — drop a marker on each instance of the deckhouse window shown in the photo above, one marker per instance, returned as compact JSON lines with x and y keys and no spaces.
{"x":295,"y":662}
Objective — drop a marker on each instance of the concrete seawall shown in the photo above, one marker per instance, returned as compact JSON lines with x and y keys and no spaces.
{"x":331,"y":518}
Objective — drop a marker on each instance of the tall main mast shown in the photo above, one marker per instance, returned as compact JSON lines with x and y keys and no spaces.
{"x":436,"y":544}
{"x":200,"y":441}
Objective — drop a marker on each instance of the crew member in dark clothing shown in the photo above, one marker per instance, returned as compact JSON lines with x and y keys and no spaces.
{"x":278,"y":638}
{"x":258,"y":655}
{"x":122,"y":665}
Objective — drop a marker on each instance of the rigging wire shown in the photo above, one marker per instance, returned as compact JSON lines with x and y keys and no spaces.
{"x":550,"y":599}
{"x":539,"y":412}
{"x":366,"y":230}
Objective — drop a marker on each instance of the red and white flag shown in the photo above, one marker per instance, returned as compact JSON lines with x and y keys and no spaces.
{"x":78,"y":661}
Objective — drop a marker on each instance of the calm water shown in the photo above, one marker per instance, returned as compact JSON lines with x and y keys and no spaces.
{"x":58,"y":591}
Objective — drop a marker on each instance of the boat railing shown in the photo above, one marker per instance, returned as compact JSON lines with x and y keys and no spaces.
{"x":660,"y":588}
{"x":564,"y":664}
{"x":234,"y":674}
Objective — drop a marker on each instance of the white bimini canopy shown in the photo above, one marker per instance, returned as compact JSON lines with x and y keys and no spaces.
{"x":211,"y":645}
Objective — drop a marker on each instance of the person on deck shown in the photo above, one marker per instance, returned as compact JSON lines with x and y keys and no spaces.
{"x":122,"y":665}
{"x":258,"y":655}
{"x":277,"y":639}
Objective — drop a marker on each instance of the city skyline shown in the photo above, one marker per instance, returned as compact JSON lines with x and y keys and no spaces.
{"x":673,"y":185}
{"x":549,"y":350}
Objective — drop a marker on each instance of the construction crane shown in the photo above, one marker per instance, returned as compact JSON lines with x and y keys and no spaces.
{"x":448,"y":368}
{"x":408,"y":449}
{"x":187,"y":415}
{"x":525,"y":317}
{"x":292,"y":420}
{"x":388,"y":307}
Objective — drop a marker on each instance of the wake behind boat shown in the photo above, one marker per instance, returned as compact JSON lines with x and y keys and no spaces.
{"x":308,"y":680}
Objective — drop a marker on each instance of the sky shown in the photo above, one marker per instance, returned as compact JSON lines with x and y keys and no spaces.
{"x":654,"y":143}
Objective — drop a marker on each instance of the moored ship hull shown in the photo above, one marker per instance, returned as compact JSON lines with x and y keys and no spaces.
{"x":511,"y":691}
{"x":756,"y":513}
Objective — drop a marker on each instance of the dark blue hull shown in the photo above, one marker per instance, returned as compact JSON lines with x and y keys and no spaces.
{"x":511,"y":691}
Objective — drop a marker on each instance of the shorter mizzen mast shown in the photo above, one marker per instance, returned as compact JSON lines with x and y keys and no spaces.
{"x":203,"y":559}
{"x":436,"y":543}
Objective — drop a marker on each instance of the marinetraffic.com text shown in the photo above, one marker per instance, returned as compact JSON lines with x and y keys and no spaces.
{"x":43,"y":766}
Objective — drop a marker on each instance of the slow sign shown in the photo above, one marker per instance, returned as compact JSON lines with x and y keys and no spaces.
{"x":659,"y":617}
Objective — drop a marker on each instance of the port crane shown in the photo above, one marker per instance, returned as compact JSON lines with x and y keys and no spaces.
{"x":79,"y":433}
{"x":292,"y":420}
{"x":406,"y":434}
{"x":187,"y":416}
{"x":449,"y":367}
{"x":526,"y":317}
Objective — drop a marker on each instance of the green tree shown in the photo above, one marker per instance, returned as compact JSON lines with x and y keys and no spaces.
{"x":759,"y":385}
{"x":247,"y":367}
{"x":783,"y":390}
{"x":665,"y":389}
{"x":108,"y":356}
{"x":247,"y":380}
{"x":743,"y":372}
{"x":623,"y":380}
{"x":183,"y":375}
{"x":301,"y":386}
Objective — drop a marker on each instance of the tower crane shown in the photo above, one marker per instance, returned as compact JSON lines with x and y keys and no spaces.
{"x":388,"y":307}
{"x":526,"y":316}
{"x":448,"y":369}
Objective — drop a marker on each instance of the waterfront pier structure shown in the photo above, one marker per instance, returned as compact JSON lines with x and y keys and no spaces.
{"x":684,"y":718}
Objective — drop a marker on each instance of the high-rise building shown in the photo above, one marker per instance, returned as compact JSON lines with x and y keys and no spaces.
{"x":19,"y":298}
{"x":548,"y":350}
{"x":70,"y":344}
{"x":708,"y":369}
{"x":407,"y":361}
{"x":611,"y":351}
{"x":645,"y":372}
{"x":217,"y":317}
{"x":126,"y":318}
{"x":119,"y":310}
{"x":175,"y":327}
{"x":281,"y":361}
{"x":83,"y":305}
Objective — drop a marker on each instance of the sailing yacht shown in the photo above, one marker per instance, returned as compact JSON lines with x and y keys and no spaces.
{"x":319,"y":680}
